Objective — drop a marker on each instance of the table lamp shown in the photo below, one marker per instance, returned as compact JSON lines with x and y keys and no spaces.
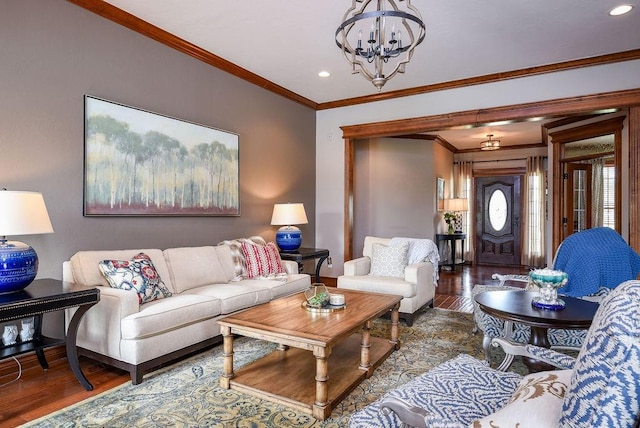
{"x":457,"y":205}
{"x":288,"y":237}
{"x":21,"y":213}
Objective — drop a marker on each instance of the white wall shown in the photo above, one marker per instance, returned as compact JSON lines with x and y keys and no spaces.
{"x":330,"y":146}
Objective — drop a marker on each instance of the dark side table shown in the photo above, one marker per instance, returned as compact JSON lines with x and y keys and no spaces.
{"x":515,"y":306}
{"x":40,"y":297}
{"x":451,"y":238}
{"x":302,"y":254}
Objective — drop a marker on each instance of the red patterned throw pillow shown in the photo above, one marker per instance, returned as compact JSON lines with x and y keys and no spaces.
{"x":138,"y":274}
{"x":262,"y":260}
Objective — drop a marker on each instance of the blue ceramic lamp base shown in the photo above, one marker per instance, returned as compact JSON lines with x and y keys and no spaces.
{"x":18,"y":266}
{"x":288,"y":238}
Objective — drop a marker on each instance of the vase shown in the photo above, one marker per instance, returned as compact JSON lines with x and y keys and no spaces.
{"x":450,"y":230}
{"x":548,"y":281}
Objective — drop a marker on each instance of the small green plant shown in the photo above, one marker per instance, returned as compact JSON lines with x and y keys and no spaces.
{"x":450,"y":218}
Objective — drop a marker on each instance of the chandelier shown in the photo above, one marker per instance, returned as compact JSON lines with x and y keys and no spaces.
{"x":377,"y":36}
{"x":490,"y":144}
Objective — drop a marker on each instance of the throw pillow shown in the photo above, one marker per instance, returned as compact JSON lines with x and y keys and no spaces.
{"x":138,"y":274}
{"x":262,"y":261}
{"x":236,"y":252}
{"x":389,"y":260}
{"x":537,"y":402}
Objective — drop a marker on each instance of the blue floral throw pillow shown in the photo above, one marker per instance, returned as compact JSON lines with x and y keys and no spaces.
{"x":138,"y":274}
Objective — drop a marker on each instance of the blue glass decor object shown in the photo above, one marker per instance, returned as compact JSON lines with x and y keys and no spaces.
{"x":18,"y":266}
{"x":548,"y":281}
{"x":289,"y":238}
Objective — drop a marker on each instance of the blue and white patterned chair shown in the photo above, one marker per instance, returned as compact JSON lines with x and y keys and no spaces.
{"x":599,"y":388}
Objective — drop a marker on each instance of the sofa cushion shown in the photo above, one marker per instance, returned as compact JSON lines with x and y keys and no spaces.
{"x":291,"y":284}
{"x":84,"y":265}
{"x":235,"y":245}
{"x":389,"y":260}
{"x":378,"y":284}
{"x":193,"y":267}
{"x":536,"y":402}
{"x":235,"y":296}
{"x":169,"y":314}
{"x":262,"y":260}
{"x":137,"y":274}
{"x":226,"y":261}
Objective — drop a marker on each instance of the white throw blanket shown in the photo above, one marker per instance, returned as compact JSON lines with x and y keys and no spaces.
{"x":419,"y":251}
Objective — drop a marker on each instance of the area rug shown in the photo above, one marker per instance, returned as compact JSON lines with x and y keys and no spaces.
{"x":187,"y":394}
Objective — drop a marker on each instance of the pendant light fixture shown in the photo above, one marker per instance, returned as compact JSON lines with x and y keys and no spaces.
{"x":490,"y":144}
{"x":378,"y":38}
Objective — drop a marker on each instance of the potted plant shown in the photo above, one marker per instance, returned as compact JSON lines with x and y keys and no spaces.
{"x":450,"y":218}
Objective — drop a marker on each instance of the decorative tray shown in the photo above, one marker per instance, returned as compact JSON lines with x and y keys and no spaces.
{"x":325,"y":309}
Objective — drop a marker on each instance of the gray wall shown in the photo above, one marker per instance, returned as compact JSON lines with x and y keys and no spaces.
{"x":395,"y":188}
{"x":52,"y":53}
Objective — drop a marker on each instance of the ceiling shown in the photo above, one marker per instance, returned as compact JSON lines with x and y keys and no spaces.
{"x":288,"y":42}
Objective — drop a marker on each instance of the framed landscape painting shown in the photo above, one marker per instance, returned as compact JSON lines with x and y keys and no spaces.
{"x":141,"y":163}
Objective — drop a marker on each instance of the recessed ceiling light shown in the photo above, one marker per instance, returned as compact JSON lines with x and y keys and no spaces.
{"x":620,"y":10}
{"x":324,"y":74}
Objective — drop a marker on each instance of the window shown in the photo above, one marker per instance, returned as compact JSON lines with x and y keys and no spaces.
{"x":608,"y":190}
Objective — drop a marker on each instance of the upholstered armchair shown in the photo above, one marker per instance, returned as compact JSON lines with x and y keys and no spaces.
{"x":599,"y":388}
{"x":402,"y":266}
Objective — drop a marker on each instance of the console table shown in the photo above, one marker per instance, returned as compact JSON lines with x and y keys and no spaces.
{"x":452,"y":238}
{"x":40,"y":297}
{"x":302,"y":254}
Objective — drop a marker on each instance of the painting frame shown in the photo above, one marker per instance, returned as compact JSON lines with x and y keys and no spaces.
{"x":141,"y":163}
{"x":440,"y":193}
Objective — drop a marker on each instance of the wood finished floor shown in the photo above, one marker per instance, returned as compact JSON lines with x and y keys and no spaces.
{"x":38,"y":393}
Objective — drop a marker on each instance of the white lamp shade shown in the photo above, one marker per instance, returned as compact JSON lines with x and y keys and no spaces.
{"x":456,"y":204}
{"x":23,"y":213}
{"x":288,"y":214}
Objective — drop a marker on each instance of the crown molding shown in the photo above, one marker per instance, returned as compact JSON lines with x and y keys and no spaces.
{"x":114,"y":14}
{"x":119,"y":16}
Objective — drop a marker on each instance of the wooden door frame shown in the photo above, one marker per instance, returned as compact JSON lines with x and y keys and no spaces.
{"x":567,"y":202}
{"x":553,"y":108}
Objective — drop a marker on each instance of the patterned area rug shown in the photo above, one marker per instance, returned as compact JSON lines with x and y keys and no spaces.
{"x":187,"y":394}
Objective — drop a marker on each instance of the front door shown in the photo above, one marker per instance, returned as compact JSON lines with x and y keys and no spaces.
{"x":497,"y":206}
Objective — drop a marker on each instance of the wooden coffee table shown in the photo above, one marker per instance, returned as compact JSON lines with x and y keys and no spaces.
{"x":343,"y":352}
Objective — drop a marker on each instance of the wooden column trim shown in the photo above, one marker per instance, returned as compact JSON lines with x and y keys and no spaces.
{"x":634,"y":180}
{"x":349,"y":166}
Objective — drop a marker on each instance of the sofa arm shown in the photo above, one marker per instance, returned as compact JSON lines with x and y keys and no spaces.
{"x":549,"y":356}
{"x":357,"y":267}
{"x":421,"y":274}
{"x":100,"y":327}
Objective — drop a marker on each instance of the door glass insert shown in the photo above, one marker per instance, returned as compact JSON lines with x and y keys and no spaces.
{"x":498,"y":210}
{"x":580,"y":200}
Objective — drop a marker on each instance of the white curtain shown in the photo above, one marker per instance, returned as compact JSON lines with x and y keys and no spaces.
{"x":463,"y":188}
{"x":535,"y":208}
{"x":597,"y":193}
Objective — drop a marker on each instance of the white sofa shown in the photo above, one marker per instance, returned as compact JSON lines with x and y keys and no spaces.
{"x":417,"y":287}
{"x":139,"y":338}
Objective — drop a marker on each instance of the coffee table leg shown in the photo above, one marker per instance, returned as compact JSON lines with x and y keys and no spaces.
{"x":321,"y":409}
{"x":365,"y":348}
{"x":227,"y":348}
{"x":395,"y":332}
